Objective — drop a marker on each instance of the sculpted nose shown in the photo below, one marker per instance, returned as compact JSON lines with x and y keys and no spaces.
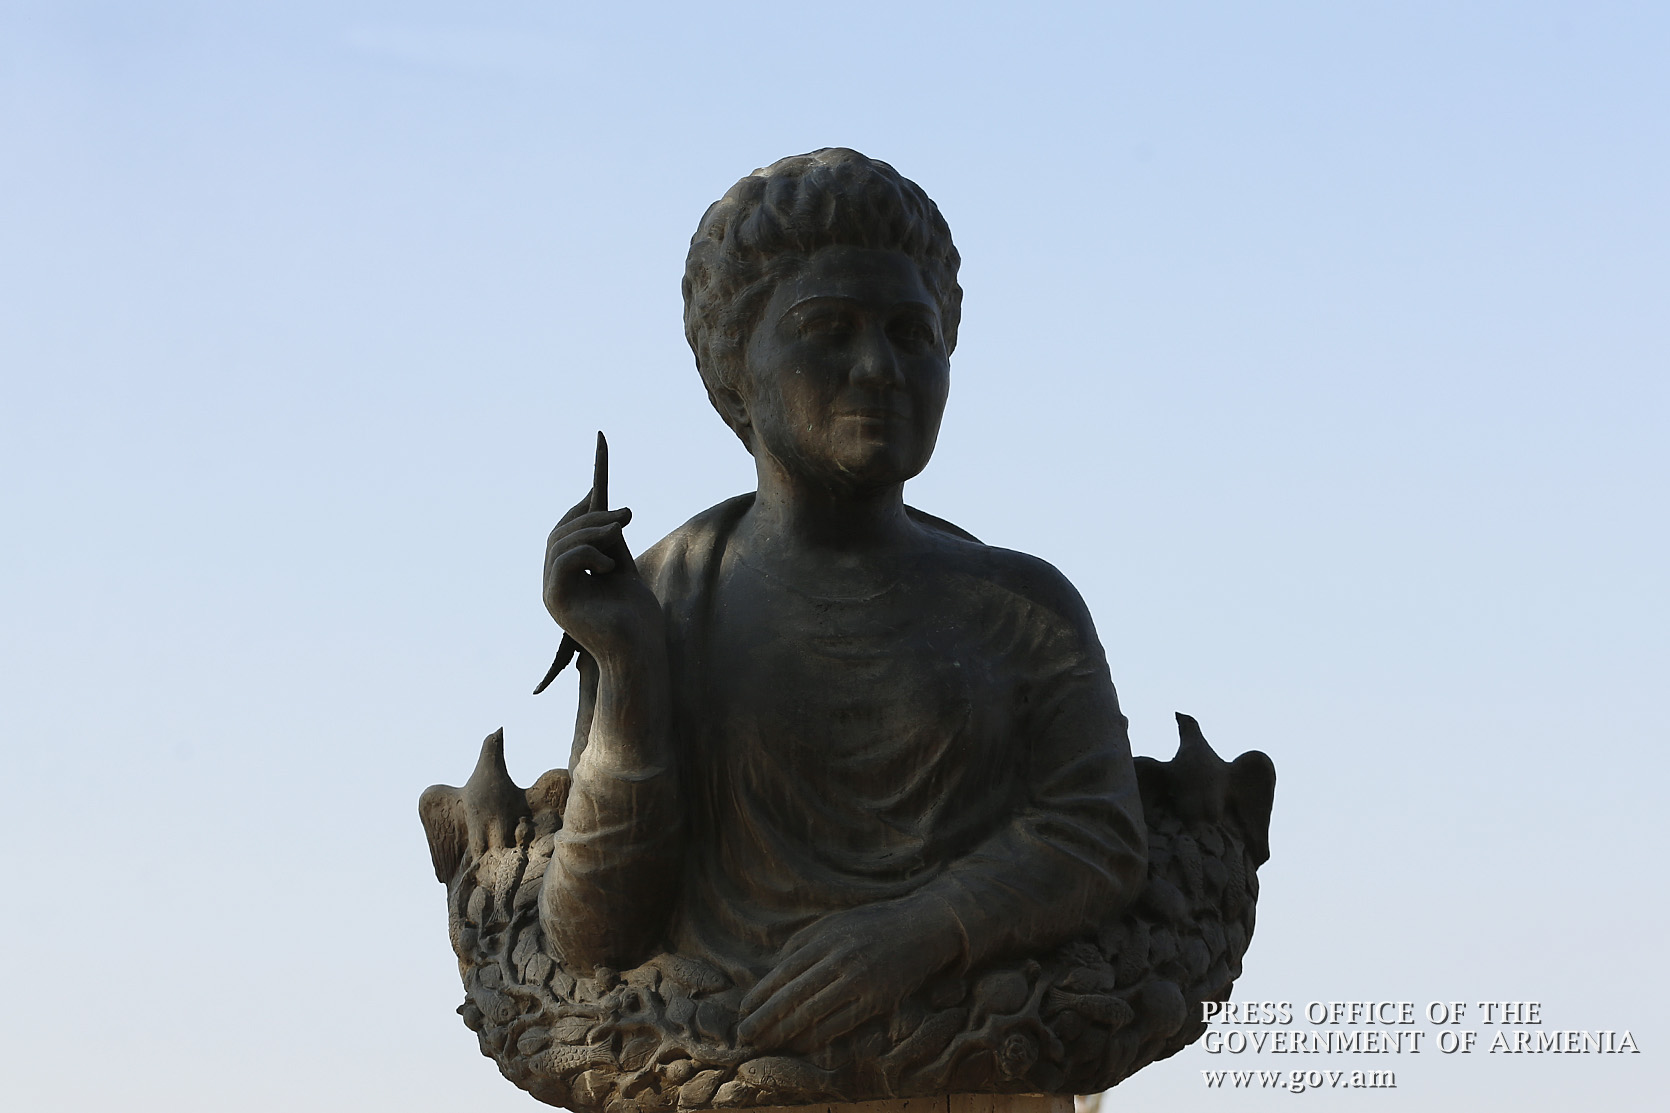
{"x":876,"y":365}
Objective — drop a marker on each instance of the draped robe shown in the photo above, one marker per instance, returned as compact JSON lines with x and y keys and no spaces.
{"x":954,"y":736}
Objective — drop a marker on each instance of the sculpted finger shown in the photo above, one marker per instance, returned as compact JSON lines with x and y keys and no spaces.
{"x":583,"y":558}
{"x":618,"y":547}
{"x":599,"y":496}
{"x":837,"y":1023}
{"x":807,"y":1002}
{"x":794,"y":963}
{"x":605,"y":539}
{"x":587,"y":520}
{"x":768,"y":1023}
{"x":579,"y":508}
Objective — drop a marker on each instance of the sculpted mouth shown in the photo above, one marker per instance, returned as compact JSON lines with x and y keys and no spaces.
{"x":876,"y":413}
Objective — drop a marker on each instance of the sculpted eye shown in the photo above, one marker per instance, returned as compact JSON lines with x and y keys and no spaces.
{"x":914,"y":334}
{"x":825,"y":324}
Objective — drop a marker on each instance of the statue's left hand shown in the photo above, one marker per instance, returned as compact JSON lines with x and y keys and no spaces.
{"x":849,"y":966}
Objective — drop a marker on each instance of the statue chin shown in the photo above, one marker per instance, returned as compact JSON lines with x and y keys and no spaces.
{"x":1077,"y":1018}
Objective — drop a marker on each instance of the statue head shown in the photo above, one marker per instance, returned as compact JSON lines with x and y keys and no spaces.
{"x":767,"y":228}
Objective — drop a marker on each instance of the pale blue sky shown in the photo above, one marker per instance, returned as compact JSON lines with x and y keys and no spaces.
{"x":1323,"y":345}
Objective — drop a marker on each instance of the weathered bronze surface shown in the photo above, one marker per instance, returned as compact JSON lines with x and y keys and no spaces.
{"x":851,"y":812}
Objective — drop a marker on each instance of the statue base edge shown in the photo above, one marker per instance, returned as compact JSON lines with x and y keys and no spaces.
{"x":949,"y":1103}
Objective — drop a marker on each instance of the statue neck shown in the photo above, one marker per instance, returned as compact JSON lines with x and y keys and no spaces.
{"x":791,"y":515}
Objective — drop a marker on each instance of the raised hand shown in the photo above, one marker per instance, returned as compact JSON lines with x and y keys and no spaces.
{"x":592,"y":587}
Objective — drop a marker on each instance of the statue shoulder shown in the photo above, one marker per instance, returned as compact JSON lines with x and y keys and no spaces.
{"x":1027,"y":578}
{"x":682,"y":556}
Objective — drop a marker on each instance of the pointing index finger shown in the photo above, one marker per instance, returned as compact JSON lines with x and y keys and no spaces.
{"x":600,"y":475}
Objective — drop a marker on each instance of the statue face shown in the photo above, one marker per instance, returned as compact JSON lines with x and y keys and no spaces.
{"x":847,"y":371}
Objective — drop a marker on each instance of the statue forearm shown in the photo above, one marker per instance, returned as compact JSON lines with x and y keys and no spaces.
{"x":1075,"y":853}
{"x":614,"y":871}
{"x":1042,"y":880}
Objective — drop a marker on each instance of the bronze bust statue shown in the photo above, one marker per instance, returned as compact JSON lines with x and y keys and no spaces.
{"x":851,"y":811}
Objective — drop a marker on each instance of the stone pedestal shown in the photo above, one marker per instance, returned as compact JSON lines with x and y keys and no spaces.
{"x":952,"y":1103}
